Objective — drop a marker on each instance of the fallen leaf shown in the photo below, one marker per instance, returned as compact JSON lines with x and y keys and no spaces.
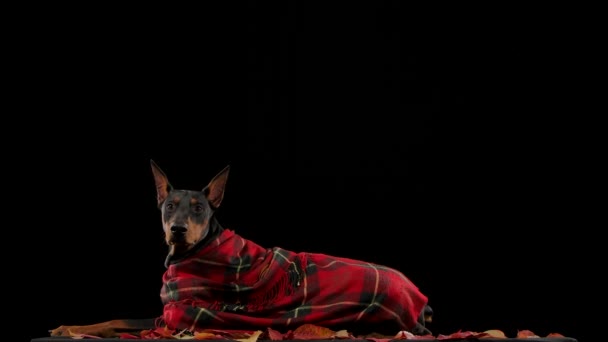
{"x":343,"y":334}
{"x":404,"y":335}
{"x":312,"y":332}
{"x":555,"y":335}
{"x":252,"y":338}
{"x":81,"y":336}
{"x":234,"y":334}
{"x":206,"y":336}
{"x":128,"y":336}
{"x":493,"y":333}
{"x":155,"y":334}
{"x":462,"y":335}
{"x":526,"y":334}
{"x":274,"y":335}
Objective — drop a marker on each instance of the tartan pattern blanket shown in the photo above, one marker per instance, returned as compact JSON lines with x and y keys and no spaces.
{"x":233,"y":283}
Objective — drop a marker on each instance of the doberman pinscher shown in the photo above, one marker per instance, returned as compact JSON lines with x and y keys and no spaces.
{"x":216,"y":279}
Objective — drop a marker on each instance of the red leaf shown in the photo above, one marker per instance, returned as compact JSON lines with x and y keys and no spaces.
{"x":274,"y":335}
{"x":406,"y":335}
{"x":155,"y":334}
{"x":129,"y":336}
{"x":555,"y":335}
{"x":461,"y":335}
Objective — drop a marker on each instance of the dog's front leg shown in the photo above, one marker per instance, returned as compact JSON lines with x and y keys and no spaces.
{"x":426,"y":316}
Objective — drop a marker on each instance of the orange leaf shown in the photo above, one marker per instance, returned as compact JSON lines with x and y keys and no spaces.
{"x":312,"y":332}
{"x":206,"y":336}
{"x":526,"y":334}
{"x":232,"y":334}
{"x":155,"y":334}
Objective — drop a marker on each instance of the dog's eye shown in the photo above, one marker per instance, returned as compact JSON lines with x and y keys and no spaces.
{"x":197,"y":208}
{"x":170,"y":206}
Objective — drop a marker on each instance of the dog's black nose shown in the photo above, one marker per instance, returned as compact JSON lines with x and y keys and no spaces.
{"x":178,"y":229}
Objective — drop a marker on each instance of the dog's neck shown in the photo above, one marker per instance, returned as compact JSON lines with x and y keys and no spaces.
{"x":215,"y":228}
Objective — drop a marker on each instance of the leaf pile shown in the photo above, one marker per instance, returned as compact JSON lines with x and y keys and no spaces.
{"x":308,"y":332}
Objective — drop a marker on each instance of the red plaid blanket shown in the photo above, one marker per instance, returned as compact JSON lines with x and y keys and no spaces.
{"x":233,"y":283}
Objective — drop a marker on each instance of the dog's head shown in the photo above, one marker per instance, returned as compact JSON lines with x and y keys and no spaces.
{"x":186,"y":214}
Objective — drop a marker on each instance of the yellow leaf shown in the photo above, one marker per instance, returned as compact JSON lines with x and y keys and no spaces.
{"x":342,"y":334}
{"x":494,"y":333}
{"x":252,"y":338}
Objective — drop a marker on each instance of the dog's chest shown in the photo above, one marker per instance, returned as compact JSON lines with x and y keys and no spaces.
{"x":232,"y":270}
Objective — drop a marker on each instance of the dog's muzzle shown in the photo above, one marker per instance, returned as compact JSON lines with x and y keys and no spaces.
{"x":178,"y":230}
{"x":178,"y":233}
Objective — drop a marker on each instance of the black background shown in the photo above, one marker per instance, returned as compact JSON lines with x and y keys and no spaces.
{"x":447,"y":144}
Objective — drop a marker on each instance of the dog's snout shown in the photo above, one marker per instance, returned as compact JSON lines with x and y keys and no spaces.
{"x":178,"y":229}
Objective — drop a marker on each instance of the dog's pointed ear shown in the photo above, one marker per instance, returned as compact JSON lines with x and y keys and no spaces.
{"x":215,"y":189}
{"x":163,"y":187}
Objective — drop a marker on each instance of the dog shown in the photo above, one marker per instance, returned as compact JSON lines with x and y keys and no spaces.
{"x":216,"y":279}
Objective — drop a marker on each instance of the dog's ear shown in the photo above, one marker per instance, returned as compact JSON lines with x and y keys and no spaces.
{"x":163,"y":187}
{"x":215,"y":189}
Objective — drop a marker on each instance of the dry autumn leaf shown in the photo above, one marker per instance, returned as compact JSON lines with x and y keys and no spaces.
{"x":404,"y":335}
{"x":312,"y":332}
{"x":252,"y":338}
{"x":494,"y":333}
{"x":555,"y":335}
{"x":274,"y":335}
{"x":205,"y":336}
{"x":526,"y":334}
{"x":342,"y":334}
{"x":81,"y":336}
{"x":128,"y":336}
